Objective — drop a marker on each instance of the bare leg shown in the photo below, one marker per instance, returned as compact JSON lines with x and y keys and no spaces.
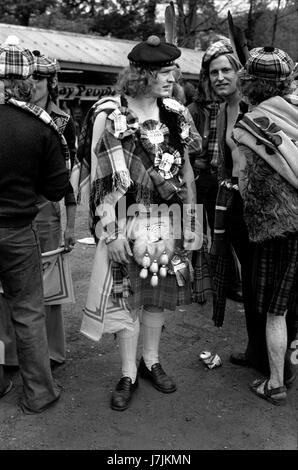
{"x":276,"y":336}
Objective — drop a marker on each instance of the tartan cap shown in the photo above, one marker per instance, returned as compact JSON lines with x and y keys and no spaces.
{"x":268,"y":63}
{"x":45,"y":66}
{"x":216,"y":49}
{"x":153,"y":53}
{"x":16,"y":62}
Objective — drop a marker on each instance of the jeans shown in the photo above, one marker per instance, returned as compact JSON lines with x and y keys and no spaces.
{"x":21,"y":278}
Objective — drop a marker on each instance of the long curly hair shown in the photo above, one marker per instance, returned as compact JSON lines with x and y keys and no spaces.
{"x":21,"y":90}
{"x":136,"y":81}
{"x":257,"y":90}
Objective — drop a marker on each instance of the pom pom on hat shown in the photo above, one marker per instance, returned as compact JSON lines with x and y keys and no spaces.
{"x":45,"y":66}
{"x":12,"y":40}
{"x":15,"y":61}
{"x":153,"y":53}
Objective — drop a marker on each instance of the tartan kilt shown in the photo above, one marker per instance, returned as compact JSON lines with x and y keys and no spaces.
{"x":275,"y":273}
{"x":167,"y":294}
{"x":202,"y":281}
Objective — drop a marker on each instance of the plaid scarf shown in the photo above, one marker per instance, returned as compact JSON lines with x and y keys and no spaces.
{"x":81,"y":178}
{"x":223,"y":202}
{"x":46,"y":118}
{"x":219,"y":252}
{"x":212,"y":139}
{"x":124,"y":161}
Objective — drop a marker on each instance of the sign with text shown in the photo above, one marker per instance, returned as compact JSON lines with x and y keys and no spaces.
{"x":70,"y":91}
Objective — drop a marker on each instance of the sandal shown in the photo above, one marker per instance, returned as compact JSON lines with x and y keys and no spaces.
{"x":7,"y":389}
{"x":276,"y":396}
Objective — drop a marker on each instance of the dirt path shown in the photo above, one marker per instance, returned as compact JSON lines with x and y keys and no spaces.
{"x":210,"y":410}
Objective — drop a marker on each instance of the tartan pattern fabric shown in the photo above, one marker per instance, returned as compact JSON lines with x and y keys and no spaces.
{"x":273,"y":64}
{"x":46,"y":66}
{"x":166,"y":295}
{"x":46,"y":118}
{"x":223,"y":202}
{"x":121,"y":282}
{"x":220,"y":251}
{"x":124,"y":161}
{"x":80,"y":177}
{"x":219,"y":266}
{"x":16,"y":62}
{"x":212,"y":138}
{"x":202,"y":280}
{"x":215,"y":50}
{"x":275,"y":274}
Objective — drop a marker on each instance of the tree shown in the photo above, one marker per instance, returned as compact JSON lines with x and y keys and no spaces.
{"x":21,"y":11}
{"x":130,"y":19}
{"x":194,"y":18}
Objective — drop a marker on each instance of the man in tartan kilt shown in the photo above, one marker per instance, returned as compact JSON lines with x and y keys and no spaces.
{"x":204,"y":110}
{"x":229,"y":227}
{"x":140,"y":146}
{"x":267,"y":139}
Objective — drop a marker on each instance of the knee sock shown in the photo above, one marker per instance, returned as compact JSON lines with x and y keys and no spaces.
{"x":128,"y":342}
{"x":152,"y":326}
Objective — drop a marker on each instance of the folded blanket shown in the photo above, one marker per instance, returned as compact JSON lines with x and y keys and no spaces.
{"x":271,"y":131}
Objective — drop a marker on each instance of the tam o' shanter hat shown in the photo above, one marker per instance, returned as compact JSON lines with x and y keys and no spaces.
{"x":153,"y":53}
{"x":16,"y":62}
{"x":215,"y":50}
{"x":45,"y":66}
{"x":268,"y":63}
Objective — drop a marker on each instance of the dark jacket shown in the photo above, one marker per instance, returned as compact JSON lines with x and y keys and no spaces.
{"x":66,"y":126}
{"x":200,"y":116}
{"x":31,"y":163}
{"x":225,"y":162}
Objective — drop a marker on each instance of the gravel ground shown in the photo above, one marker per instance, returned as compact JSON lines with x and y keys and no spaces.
{"x":212,"y":409}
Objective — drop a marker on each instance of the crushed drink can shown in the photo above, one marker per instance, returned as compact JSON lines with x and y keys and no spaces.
{"x":210,"y":360}
{"x":205,"y":355}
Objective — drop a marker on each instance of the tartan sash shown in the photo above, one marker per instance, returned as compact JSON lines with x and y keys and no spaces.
{"x":223,"y":202}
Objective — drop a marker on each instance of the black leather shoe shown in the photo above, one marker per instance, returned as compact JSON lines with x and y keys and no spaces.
{"x":123,"y":393}
{"x":240,"y":359}
{"x":157,"y":376}
{"x":235,"y":295}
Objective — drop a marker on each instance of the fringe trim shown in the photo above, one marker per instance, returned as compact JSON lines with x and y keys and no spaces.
{"x":121,"y":179}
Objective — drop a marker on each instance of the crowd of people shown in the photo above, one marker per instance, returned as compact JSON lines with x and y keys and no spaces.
{"x":183,"y":201}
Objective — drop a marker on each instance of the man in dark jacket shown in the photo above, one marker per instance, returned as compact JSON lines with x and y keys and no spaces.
{"x":219,"y":162}
{"x":32,"y":162}
{"x":204,"y":111}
